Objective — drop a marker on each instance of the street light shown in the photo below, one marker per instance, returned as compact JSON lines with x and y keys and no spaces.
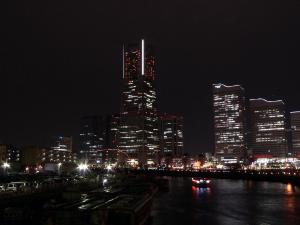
{"x":109,"y":168}
{"x":5,"y":167}
{"x":59,"y":167}
{"x":83,"y":167}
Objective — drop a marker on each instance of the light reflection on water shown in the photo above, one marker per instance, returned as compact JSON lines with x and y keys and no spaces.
{"x":227,"y":202}
{"x":197,"y":191}
{"x":290,"y":189}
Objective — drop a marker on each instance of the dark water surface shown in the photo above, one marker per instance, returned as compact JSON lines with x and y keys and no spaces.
{"x":227,"y":202}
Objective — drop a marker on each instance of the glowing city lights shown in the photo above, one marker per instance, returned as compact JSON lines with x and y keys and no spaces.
{"x":83,"y":167}
{"x":6,"y":165}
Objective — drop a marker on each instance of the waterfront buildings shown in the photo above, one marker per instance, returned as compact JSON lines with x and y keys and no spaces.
{"x":295,"y":129}
{"x":61,"y":143}
{"x":9,"y":157}
{"x":112,"y":123}
{"x":61,"y":151}
{"x":37,"y":158}
{"x":268,"y":137}
{"x":138,"y":130}
{"x":91,"y":138}
{"x":171,"y":135}
{"x":98,"y":134}
{"x":229,"y":122}
{"x":9,"y":154}
{"x":109,"y":154}
{"x":54,"y":156}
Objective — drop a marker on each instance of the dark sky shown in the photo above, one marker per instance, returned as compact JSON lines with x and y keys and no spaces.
{"x":60,"y":60}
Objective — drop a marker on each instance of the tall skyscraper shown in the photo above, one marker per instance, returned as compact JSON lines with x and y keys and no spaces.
{"x":171,"y":135}
{"x":112,"y":123}
{"x":91,"y":138}
{"x":109,"y":154}
{"x":295,"y":127}
{"x":229,"y":122}
{"x":268,"y":137}
{"x":138,"y":131}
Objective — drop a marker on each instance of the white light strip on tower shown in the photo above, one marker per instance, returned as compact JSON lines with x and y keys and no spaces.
{"x":143,"y":56}
{"x":123,"y":62}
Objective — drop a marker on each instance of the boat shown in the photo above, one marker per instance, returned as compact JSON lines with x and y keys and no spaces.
{"x":201,"y":182}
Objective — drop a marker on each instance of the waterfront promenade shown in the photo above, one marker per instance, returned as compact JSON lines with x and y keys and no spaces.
{"x":288,"y":176}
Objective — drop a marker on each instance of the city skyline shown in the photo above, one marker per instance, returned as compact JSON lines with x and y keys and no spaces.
{"x":60,"y":67}
{"x":77,"y":140}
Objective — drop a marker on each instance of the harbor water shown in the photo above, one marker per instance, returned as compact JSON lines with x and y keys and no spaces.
{"x":227,"y":202}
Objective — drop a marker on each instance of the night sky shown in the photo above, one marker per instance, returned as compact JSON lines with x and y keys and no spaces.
{"x":60,"y":60}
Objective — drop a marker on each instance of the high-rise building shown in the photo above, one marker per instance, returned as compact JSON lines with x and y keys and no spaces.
{"x":171,"y":135}
{"x":9,"y":154}
{"x":112,"y":123}
{"x":229,"y":122}
{"x":109,"y":154}
{"x":295,"y":127}
{"x":138,"y":130}
{"x":91,"y":138}
{"x":268,"y":137}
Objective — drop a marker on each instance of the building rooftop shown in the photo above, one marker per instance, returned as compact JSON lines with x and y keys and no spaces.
{"x":295,"y":112}
{"x":264,"y":102}
{"x":222,"y":87}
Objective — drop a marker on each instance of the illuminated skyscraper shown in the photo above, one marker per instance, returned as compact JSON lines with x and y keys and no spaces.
{"x":171,"y":135}
{"x":268,"y":137}
{"x":138,"y":131}
{"x":112,"y":123}
{"x":229,"y":121}
{"x":295,"y":125}
{"x":91,"y":138}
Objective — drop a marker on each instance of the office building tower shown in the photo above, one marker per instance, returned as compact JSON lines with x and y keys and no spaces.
{"x":109,"y":154}
{"x":295,"y":127}
{"x":138,"y":130}
{"x":91,"y":138}
{"x":268,"y":137}
{"x":112,"y":123}
{"x":229,"y":122}
{"x":171,"y":135}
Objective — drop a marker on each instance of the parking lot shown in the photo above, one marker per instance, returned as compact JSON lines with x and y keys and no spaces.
{"x":26,"y":184}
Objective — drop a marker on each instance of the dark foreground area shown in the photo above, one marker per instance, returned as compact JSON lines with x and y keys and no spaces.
{"x":227,"y":202}
{"x":148,"y":199}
